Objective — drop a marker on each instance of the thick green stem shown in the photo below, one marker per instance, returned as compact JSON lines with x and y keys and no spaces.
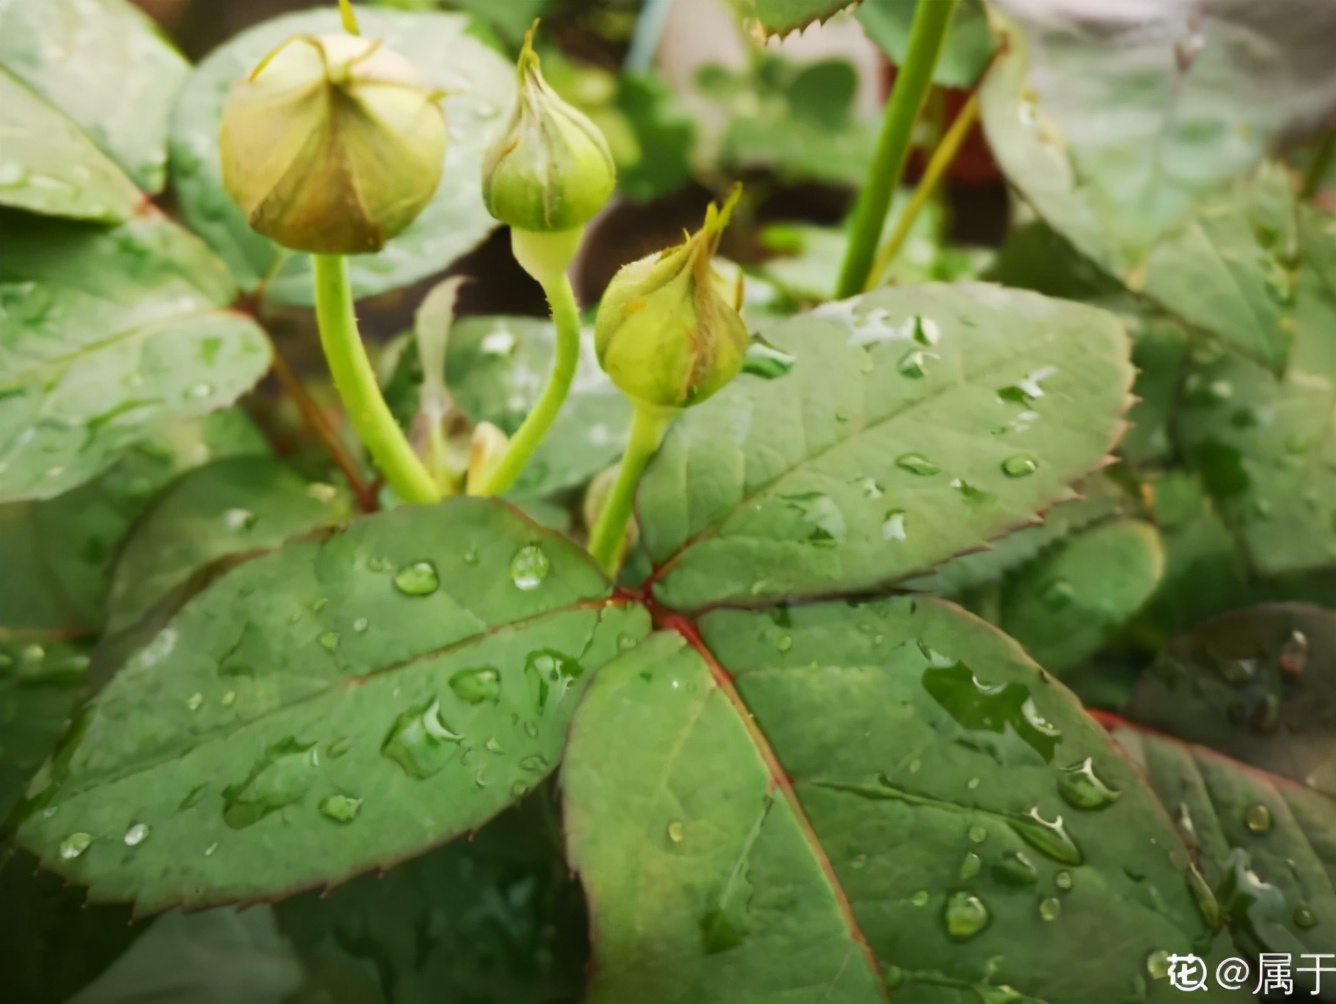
{"x":355,"y":381}
{"x":566,"y":317}
{"x":1318,"y":166}
{"x":608,"y":538}
{"x":942,"y":159}
{"x":926,"y":38}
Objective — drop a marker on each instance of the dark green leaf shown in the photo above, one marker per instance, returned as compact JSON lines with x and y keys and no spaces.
{"x":916,"y":424}
{"x":1258,"y":685}
{"x":104,"y":64}
{"x":664,"y":136}
{"x":969,"y":44}
{"x":948,"y":797}
{"x":106,"y":336}
{"x":246,"y":504}
{"x":58,"y":554}
{"x":40,"y":686}
{"x":1066,"y":605}
{"x":481,"y":86}
{"x":330,"y":708}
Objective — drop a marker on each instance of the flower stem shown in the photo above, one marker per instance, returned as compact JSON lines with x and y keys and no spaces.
{"x":926,"y":38}
{"x":942,"y":159}
{"x":355,"y":381}
{"x":566,"y":317}
{"x":608,"y":538}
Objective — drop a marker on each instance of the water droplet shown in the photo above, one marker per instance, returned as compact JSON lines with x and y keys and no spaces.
{"x":550,"y":675}
{"x":360,"y":625}
{"x":1028,"y":388}
{"x":977,"y":834}
{"x":229,"y":699}
{"x":474,"y":686}
{"x":826,"y":526}
{"x":971,"y":494}
{"x":1020,"y":466}
{"x":972,"y":783}
{"x":237,"y":520}
{"x":200,"y":390}
{"x":766,"y":362}
{"x":784,"y":642}
{"x":195,"y":701}
{"x":529,"y":567}
{"x":675,"y":832}
{"x":1058,"y":594}
{"x":518,"y":789}
{"x":417,"y":579}
{"x":1258,"y":818}
{"x":893,"y":525}
{"x":136,"y":834}
{"x":209,"y":851}
{"x":919,"y":898}
{"x":278,"y":778}
{"x":914,"y":364}
{"x":1016,"y":869}
{"x":74,"y":845}
{"x":1305,"y":919}
{"x":626,"y":642}
{"x":1050,"y":908}
{"x":493,"y":747}
{"x":340,"y":808}
{"x":1082,"y":788}
{"x":1050,"y":839}
{"x":916,"y":463}
{"x":471,"y":555}
{"x":1293,"y":654}
{"x":871,"y":488}
{"x":965,"y":916}
{"x":534,"y":763}
{"x":970,"y":865}
{"x":420,"y":742}
{"x":329,"y":640}
{"x":1157,"y":964}
{"x":992,"y":708}
{"x":1063,"y":880}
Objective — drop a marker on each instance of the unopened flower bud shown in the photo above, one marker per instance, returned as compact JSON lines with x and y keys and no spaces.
{"x":667,"y":332}
{"x":333,"y":144}
{"x":551,"y":170}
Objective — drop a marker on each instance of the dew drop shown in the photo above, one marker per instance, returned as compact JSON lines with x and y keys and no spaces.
{"x":420,"y":742}
{"x":278,"y":778}
{"x":965,"y":915}
{"x":1063,"y":880}
{"x":675,"y":832}
{"x":550,"y":675}
{"x":476,"y":686}
{"x":1082,"y":788}
{"x":529,"y":567}
{"x":893,"y":525}
{"x":74,"y":845}
{"x":237,"y":520}
{"x":1050,"y":839}
{"x":914,"y":364}
{"x":977,"y":834}
{"x":136,"y":834}
{"x":1157,"y":964}
{"x":1058,"y":594}
{"x":1016,"y":869}
{"x":360,"y":625}
{"x":971,"y":865}
{"x":195,"y":701}
{"x":1019,"y":466}
{"x":919,"y":898}
{"x":493,"y":747}
{"x":211,"y":849}
{"x":340,"y":808}
{"x":417,"y":579}
{"x":784,"y":642}
{"x":1050,"y":908}
{"x":329,"y":641}
{"x":1305,"y":919}
{"x":1258,"y":819}
{"x":916,"y":463}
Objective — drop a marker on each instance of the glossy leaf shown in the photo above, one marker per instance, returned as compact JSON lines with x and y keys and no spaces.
{"x":916,"y":423}
{"x":1264,"y":845}
{"x":969,"y":43}
{"x":58,"y":555}
{"x":497,"y":919}
{"x":247,"y":504}
{"x":779,"y":17}
{"x":1068,"y":603}
{"x":49,"y":166}
{"x":330,"y":708}
{"x":1266,"y":445}
{"x":480,"y":86}
{"x":40,"y":687}
{"x":1258,"y":685}
{"x":910,"y":778}
{"x":105,"y":65}
{"x":105,"y":337}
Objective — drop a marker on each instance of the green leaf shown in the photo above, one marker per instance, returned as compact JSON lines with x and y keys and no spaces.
{"x":779,"y":17}
{"x":497,"y":919}
{"x":40,"y":686}
{"x":664,"y":134}
{"x":895,"y":773}
{"x":231,"y":507}
{"x":916,"y":423}
{"x":51,"y":167}
{"x":105,"y":65}
{"x":105,"y":336}
{"x":330,"y":708}
{"x":1213,"y":254}
{"x":1264,"y":845}
{"x":969,"y":43}
{"x":1071,"y":601}
{"x":58,"y":554}
{"x":1258,"y":685}
{"x":480,"y":85}
{"x":1266,"y":445}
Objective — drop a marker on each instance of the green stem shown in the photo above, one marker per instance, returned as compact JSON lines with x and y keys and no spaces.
{"x":942,"y":159}
{"x":926,"y":38}
{"x":608,"y":538}
{"x":566,"y":317}
{"x":355,"y":381}
{"x":1317,"y":167}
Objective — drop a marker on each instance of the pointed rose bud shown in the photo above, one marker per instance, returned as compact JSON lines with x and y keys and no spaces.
{"x":667,"y":331}
{"x":551,"y":170}
{"x":333,"y":144}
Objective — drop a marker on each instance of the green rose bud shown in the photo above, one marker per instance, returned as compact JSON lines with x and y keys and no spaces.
{"x":333,"y":144}
{"x":667,"y":332}
{"x":551,"y":170}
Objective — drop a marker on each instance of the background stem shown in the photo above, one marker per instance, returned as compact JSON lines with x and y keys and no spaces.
{"x":566,"y":317}
{"x":355,"y":381}
{"x":926,"y":37}
{"x":608,"y":538}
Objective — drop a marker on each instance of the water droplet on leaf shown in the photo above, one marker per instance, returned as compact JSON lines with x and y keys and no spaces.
{"x":417,"y":579}
{"x":1020,"y":466}
{"x":74,"y":845}
{"x":340,"y":808}
{"x":965,"y":916}
{"x":420,"y":742}
{"x":280,"y":777}
{"x":1082,"y":788}
{"x":136,"y":834}
{"x":529,"y":567}
{"x":1050,"y":908}
{"x":474,"y":686}
{"x":916,"y":463}
{"x":1258,"y":818}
